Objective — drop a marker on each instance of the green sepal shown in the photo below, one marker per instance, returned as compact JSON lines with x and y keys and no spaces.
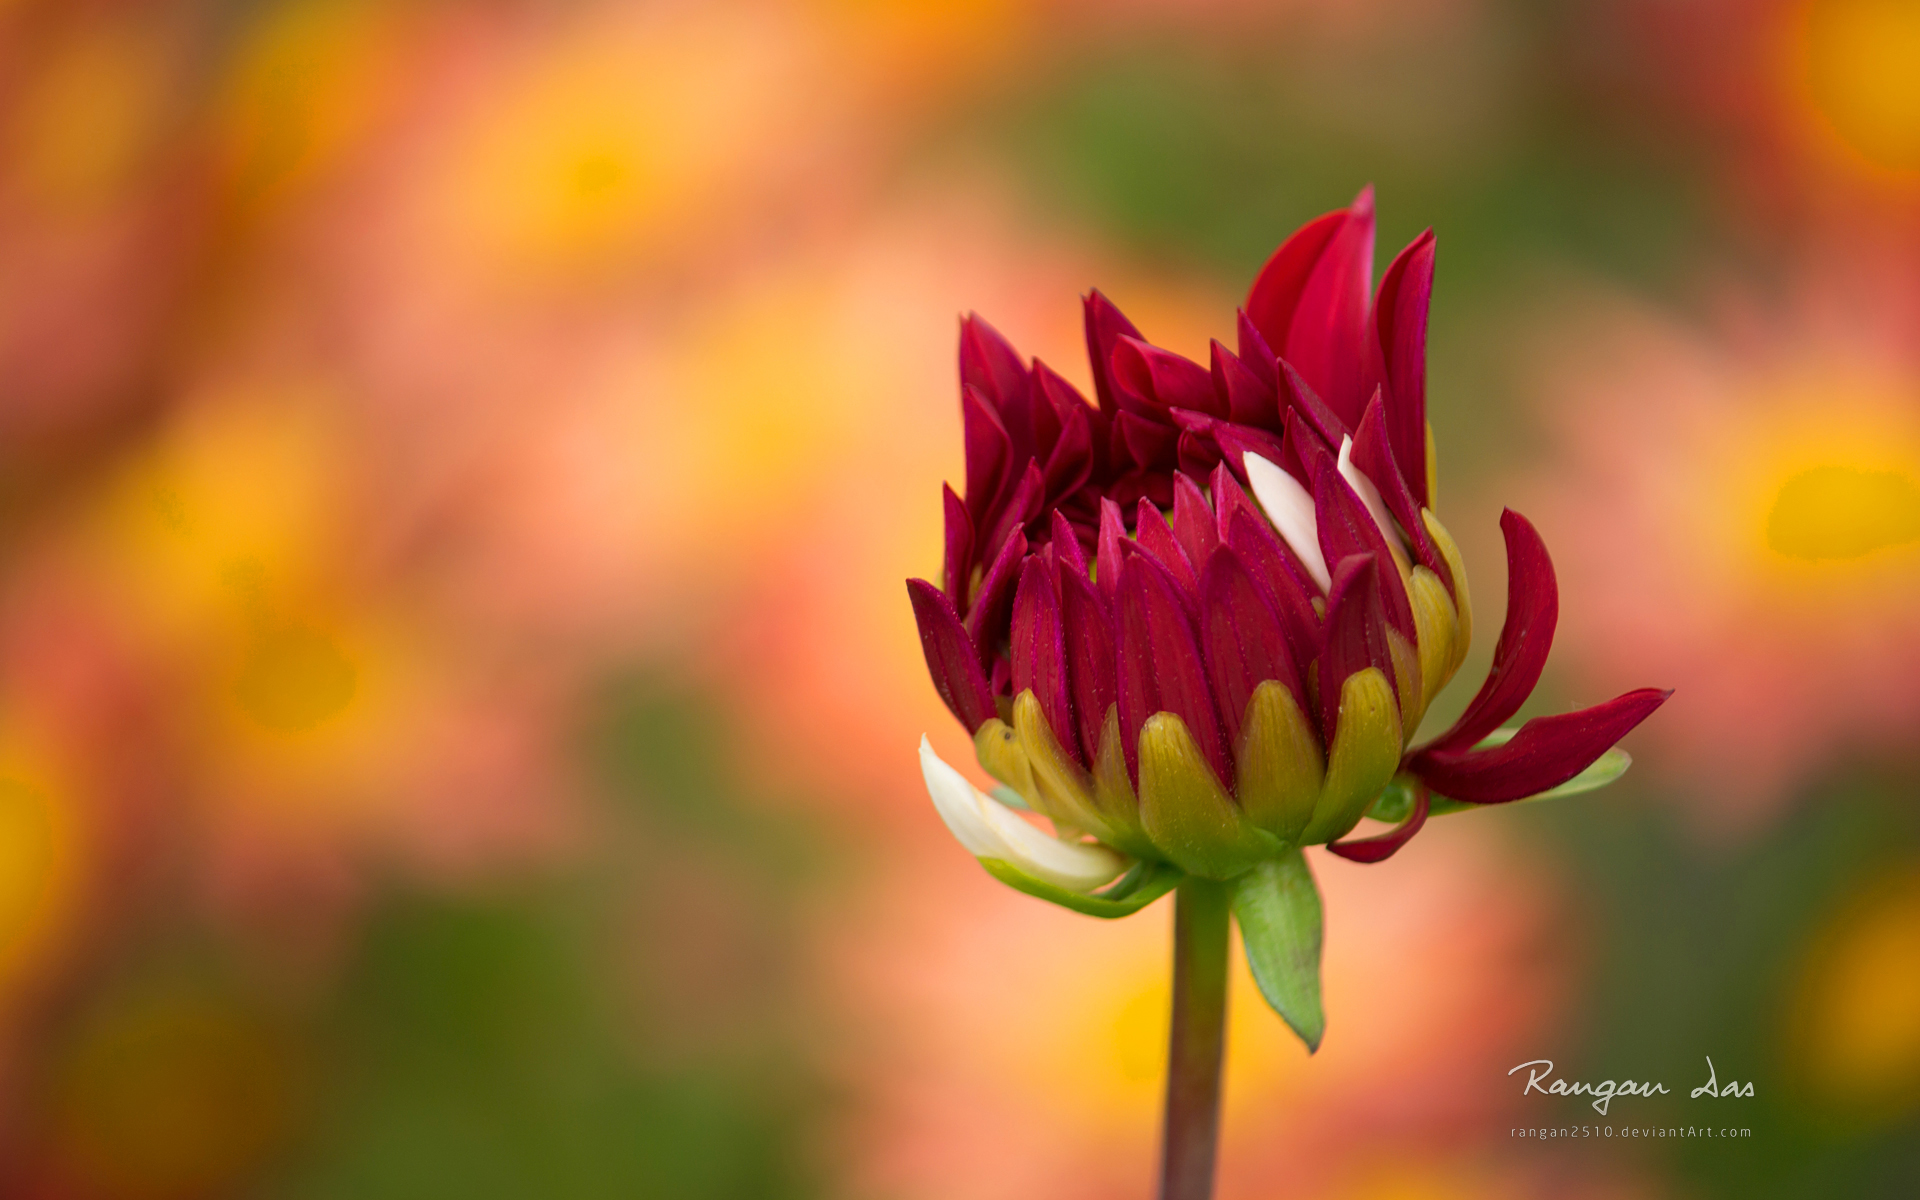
{"x":1278,"y":907}
{"x":1139,"y":887}
{"x":1396,"y":801}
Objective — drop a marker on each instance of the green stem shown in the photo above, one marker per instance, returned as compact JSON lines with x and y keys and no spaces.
{"x":1198,"y":1042}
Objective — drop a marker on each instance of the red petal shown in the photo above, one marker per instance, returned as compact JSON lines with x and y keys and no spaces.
{"x":1241,"y":637}
{"x":1356,"y":633}
{"x":989,"y":362}
{"x":1400,"y":321}
{"x":1545,"y":753}
{"x":951,"y":658}
{"x":1249,"y":400}
{"x":1254,"y":350}
{"x":1152,"y":535}
{"x":1162,"y":379}
{"x":1382,"y":846}
{"x":1105,"y":327}
{"x":1090,"y":657}
{"x":1288,"y":586}
{"x":1375,"y":459}
{"x":1039,"y":651}
{"x":1192,"y":520}
{"x":989,"y":453}
{"x":1347,"y":528}
{"x":987,"y":619}
{"x":959,"y":564}
{"x":1276,"y":289}
{"x":1328,"y":338}
{"x":1160,"y":664}
{"x":1533,"y":608}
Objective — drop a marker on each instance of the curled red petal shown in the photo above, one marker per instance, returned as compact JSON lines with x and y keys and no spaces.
{"x":951,"y":657}
{"x":1383,"y":846}
{"x":1533,"y":608}
{"x":1545,"y":753}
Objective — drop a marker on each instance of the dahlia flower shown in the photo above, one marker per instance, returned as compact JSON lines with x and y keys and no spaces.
{"x":1196,"y":623}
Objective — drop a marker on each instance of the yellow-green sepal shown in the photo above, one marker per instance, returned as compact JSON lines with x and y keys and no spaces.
{"x":1192,"y":820}
{"x":1364,"y":756}
{"x":1144,"y":883}
{"x":1281,"y":765}
{"x":1278,"y":908}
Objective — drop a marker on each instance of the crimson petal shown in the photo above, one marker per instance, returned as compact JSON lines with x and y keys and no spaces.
{"x":1275,"y":293}
{"x":1090,"y":657}
{"x":1400,"y":321}
{"x":1039,"y":650}
{"x":1328,"y":336}
{"x":1356,"y":633}
{"x":1374,"y":457}
{"x":1249,"y":400}
{"x":1105,"y":327}
{"x":1381,"y":847}
{"x":959,"y":563}
{"x":989,"y":452}
{"x":987,"y":619}
{"x":1163,"y":379}
{"x":1533,"y":609}
{"x":1160,"y":664}
{"x":1065,"y":540}
{"x":1242,"y":638}
{"x":1288,"y":585}
{"x":1347,"y":528}
{"x":951,"y":658}
{"x":1152,"y":535}
{"x":1545,"y":753}
{"x":1192,"y":520}
{"x":1254,"y":350}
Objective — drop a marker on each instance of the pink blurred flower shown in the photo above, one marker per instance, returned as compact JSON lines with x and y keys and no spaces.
{"x":1749,"y":500}
{"x":1006,"y":1049}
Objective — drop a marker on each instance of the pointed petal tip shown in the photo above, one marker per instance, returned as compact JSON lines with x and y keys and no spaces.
{"x":987,"y":830}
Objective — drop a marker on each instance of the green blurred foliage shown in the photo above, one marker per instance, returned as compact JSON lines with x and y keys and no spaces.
{"x":534,"y":1040}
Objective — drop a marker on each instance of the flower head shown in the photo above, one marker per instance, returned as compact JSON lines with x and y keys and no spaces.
{"x":1198,"y":621}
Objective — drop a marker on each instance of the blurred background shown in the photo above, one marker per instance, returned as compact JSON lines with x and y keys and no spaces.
{"x":458,"y":462}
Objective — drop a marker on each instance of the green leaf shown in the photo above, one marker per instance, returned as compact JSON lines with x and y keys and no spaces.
{"x":1396,"y":800}
{"x":1278,"y":908}
{"x":1011,"y":798}
{"x":1139,"y":887}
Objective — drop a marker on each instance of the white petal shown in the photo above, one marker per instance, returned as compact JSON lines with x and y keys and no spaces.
{"x":1369,"y":495}
{"x":1290,"y":509}
{"x":988,"y":830}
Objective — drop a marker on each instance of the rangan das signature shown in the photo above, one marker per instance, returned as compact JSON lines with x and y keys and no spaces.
{"x":1604,"y":1092}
